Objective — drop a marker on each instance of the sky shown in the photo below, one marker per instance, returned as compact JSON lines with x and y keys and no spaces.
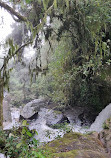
{"x":5,"y":29}
{"x":5,"y":24}
{"x":6,"y":21}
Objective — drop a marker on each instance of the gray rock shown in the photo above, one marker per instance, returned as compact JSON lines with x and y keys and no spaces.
{"x":6,"y":108}
{"x":32,"y":108}
{"x":55,"y":117}
{"x":2,"y":155}
{"x":82,"y":116}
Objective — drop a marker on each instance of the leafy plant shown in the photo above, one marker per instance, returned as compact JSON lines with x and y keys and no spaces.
{"x":63,"y":126}
{"x":21,"y":143}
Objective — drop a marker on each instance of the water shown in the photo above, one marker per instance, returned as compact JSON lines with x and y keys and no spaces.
{"x":100,"y":119}
{"x":45,"y":133}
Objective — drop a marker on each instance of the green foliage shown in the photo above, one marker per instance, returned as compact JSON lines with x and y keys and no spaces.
{"x":20,"y":143}
{"x":105,"y":126}
{"x":63,"y":126}
{"x":9,"y":147}
{"x":84,"y":24}
{"x":28,"y":1}
{"x":75,"y":69}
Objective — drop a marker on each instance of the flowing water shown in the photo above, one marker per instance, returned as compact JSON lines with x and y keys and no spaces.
{"x":100,"y":119}
{"x":45,"y":133}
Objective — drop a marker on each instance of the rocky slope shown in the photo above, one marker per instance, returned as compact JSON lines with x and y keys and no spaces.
{"x":105,"y":136}
{"x":75,"y":145}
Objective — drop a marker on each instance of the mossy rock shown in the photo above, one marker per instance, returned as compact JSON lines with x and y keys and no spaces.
{"x":75,"y":145}
{"x":105,"y":135}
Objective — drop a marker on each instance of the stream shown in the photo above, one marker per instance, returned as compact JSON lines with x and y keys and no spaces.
{"x":46,"y":133}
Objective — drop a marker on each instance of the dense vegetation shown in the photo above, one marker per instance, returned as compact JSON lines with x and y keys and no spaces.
{"x":79,"y":56}
{"x":20,"y":143}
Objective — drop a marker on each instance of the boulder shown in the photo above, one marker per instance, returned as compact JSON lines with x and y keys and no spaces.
{"x":2,"y":155}
{"x":76,"y":145}
{"x":31,"y":109}
{"x":80,"y":115}
{"x":55,"y":117}
{"x":105,"y":136}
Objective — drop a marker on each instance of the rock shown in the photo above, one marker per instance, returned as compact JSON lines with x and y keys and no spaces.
{"x":2,"y":155}
{"x":95,"y":135}
{"x":34,"y":116}
{"x":105,"y":136}
{"x":6,"y":109}
{"x":55,"y":117}
{"x":31,"y":109}
{"x":75,"y":145}
{"x":73,"y":113}
{"x":80,"y":115}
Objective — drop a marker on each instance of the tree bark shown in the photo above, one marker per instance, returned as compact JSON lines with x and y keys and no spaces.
{"x":1,"y":102}
{"x":12,"y":11}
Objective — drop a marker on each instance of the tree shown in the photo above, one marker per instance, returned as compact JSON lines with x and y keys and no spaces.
{"x":87,"y":26}
{"x":13,"y":50}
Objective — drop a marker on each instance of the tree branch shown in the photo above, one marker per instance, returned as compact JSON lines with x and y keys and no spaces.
{"x":7,"y":58}
{"x":12,"y":11}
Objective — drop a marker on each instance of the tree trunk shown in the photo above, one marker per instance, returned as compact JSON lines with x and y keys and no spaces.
{"x":1,"y":102}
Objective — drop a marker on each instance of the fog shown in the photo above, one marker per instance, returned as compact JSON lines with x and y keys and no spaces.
{"x":5,"y":24}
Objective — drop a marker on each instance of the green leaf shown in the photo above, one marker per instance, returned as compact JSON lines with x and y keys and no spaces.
{"x":28,"y":1}
{"x":38,"y":154}
{"x":29,"y":134}
{"x":24,"y":123}
{"x":7,"y":145}
{"x":23,"y":131}
{"x":18,"y":145}
{"x":35,"y":141}
{"x":36,"y":132}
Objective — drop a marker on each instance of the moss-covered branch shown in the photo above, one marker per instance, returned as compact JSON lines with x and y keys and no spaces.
{"x":12,"y":11}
